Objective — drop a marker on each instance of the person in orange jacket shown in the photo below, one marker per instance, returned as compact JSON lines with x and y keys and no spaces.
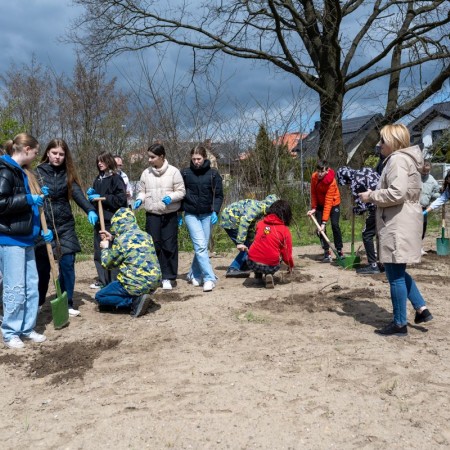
{"x":325,"y":205}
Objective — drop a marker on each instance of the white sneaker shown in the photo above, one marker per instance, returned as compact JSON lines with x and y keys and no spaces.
{"x":35,"y":337}
{"x":166,"y":285}
{"x":74,"y":312}
{"x":96,"y":285}
{"x":15,"y":342}
{"x":208,"y":286}
{"x":195,"y":282}
{"x":423,"y":252}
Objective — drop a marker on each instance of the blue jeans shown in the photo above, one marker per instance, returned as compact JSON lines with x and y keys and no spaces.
{"x":199,"y":227}
{"x":240,"y":261}
{"x":66,"y":274}
{"x":403,"y":287}
{"x":20,"y":290}
{"x":114,"y":294}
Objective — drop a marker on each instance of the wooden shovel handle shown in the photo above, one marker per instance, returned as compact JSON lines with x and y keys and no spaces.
{"x":100,"y":212}
{"x":48,"y":245}
{"x":319,"y":229}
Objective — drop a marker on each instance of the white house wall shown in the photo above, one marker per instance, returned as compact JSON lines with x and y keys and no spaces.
{"x":438,"y":123}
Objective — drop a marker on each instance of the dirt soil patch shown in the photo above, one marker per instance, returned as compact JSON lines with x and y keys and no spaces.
{"x":295,"y":367}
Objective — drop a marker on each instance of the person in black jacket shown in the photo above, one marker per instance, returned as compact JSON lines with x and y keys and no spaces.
{"x":57,"y":171}
{"x":110,"y":185}
{"x":201,"y":206}
{"x":20,"y":198}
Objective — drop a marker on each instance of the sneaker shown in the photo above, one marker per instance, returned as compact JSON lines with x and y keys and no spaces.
{"x":327,"y":258}
{"x":96,"y":285}
{"x":15,"y":342}
{"x":340,"y":254}
{"x":368,"y":270}
{"x":236,"y":273}
{"x":424,"y":316}
{"x":166,"y":285}
{"x":269,"y":281}
{"x":35,"y":337}
{"x":208,"y":286}
{"x":140,"y":305}
{"x":195,"y":282}
{"x":393,"y":330}
{"x":74,"y":312}
{"x":423,"y":252}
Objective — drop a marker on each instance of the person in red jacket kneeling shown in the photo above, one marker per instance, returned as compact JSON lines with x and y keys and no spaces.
{"x":272,"y":244}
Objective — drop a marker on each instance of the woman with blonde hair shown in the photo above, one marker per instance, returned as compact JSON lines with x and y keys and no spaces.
{"x":20,"y":199}
{"x":399,"y":224}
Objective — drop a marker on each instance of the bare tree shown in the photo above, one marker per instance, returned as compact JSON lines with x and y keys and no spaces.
{"x":29,"y":96}
{"x":92,"y":116}
{"x":333,"y":47}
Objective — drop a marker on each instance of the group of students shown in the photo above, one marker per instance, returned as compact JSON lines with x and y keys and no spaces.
{"x":131,"y":263}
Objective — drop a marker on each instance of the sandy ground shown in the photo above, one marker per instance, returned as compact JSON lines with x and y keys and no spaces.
{"x":295,"y":367}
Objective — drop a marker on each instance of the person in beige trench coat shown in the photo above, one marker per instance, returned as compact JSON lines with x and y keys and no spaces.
{"x":399,"y":224}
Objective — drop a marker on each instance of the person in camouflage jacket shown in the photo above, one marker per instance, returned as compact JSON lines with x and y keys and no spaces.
{"x":239,"y":221}
{"x":133,"y":253}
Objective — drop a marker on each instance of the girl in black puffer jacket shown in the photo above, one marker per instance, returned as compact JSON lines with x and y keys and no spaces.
{"x":20,"y":199}
{"x":201,"y":206}
{"x":57,"y":171}
{"x":110,"y":185}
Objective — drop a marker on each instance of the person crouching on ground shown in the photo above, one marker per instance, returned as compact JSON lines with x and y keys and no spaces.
{"x":273,"y":242}
{"x":325,"y":204}
{"x":133,"y":253}
{"x":239,"y":221}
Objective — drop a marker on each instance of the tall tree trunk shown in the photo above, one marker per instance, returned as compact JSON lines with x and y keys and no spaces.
{"x":331,"y":145}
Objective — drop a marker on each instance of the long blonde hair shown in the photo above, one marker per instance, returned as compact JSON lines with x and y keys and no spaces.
{"x":396,"y":136}
{"x":16,"y":145}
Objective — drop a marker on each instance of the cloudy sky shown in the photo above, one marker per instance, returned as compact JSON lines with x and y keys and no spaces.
{"x":36,"y":27}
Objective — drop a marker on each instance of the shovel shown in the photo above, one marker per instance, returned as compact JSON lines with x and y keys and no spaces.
{"x":442,"y":243}
{"x":60,"y":305}
{"x":353,"y":260}
{"x":338,"y":258}
{"x":100,"y":213}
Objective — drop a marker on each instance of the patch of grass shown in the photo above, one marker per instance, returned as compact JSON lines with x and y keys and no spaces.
{"x":249,"y":316}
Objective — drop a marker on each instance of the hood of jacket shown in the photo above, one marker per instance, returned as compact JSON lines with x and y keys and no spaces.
{"x":202,"y":169}
{"x":272,"y":219}
{"x":413,"y":152}
{"x":329,"y":177}
{"x":345,"y":175}
{"x":269,"y":200}
{"x":123,"y":220}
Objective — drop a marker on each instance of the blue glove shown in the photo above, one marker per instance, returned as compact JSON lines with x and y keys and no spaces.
{"x":35,"y":199}
{"x":167,"y":200}
{"x":45,"y":190}
{"x":214,"y":217}
{"x":137,"y":203}
{"x":425,"y":212}
{"x":180,"y":221}
{"x":92,"y":217}
{"x":90,"y":191}
{"x":48,"y":237}
{"x":93,"y":196}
